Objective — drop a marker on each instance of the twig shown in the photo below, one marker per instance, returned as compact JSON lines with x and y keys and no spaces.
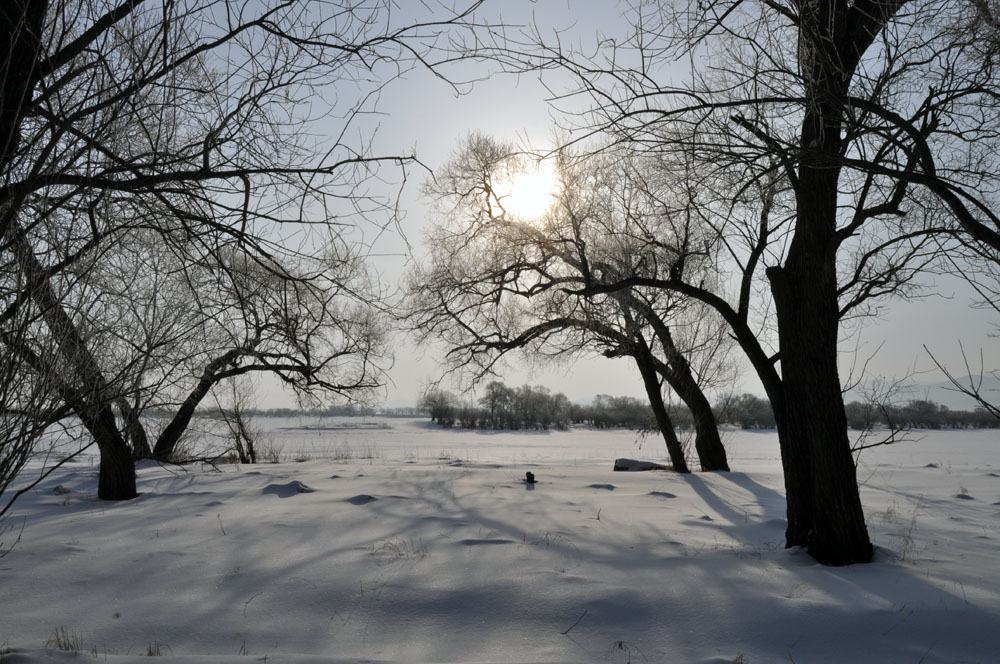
{"x":252,"y":598}
{"x":24,"y":520}
{"x":212,"y":461}
{"x":568,"y":629}
{"x":929,"y":649}
{"x":31,"y":485}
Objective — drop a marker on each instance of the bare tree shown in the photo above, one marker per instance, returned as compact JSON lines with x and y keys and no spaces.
{"x":972,"y":386}
{"x":28,"y":413}
{"x":188,"y":130}
{"x":497,"y":283}
{"x":247,"y":441}
{"x":978,"y":265}
{"x":878,"y":119}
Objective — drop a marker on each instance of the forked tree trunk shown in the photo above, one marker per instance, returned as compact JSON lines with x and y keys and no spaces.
{"x":172,"y":433}
{"x":654,"y":391}
{"x":677,"y":372}
{"x":137,"y":438}
{"x":116,"y":478}
{"x":819,"y":467}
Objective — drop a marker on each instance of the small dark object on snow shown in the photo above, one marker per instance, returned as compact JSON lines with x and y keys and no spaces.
{"x":287,"y":490}
{"x":633,"y":465}
{"x":529,"y":477}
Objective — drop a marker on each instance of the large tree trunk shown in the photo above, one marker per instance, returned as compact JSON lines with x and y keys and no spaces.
{"x":20,"y":32}
{"x":93,"y":406}
{"x":677,"y":371}
{"x":172,"y":433}
{"x":794,"y":465}
{"x":815,"y":426}
{"x":808,"y":313}
{"x":137,"y":437}
{"x":116,"y":479}
{"x":819,"y":468}
{"x":654,"y":391}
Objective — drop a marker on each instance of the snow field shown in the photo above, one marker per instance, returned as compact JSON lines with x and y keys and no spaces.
{"x":417,"y":544}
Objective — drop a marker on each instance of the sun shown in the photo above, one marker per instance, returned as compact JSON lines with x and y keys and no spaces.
{"x":531,"y":193}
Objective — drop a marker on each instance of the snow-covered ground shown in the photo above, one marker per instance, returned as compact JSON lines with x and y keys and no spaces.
{"x":417,"y":544}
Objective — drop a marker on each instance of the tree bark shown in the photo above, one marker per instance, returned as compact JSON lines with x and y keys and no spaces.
{"x":821,"y":465}
{"x":650,"y":379}
{"x":137,"y":437}
{"x":808,"y":315}
{"x":21,"y":24}
{"x":677,"y":372}
{"x":172,"y":433}
{"x":707,"y":443}
{"x":95,"y":396}
{"x":794,"y":466}
{"x":820,"y":475}
{"x":116,"y":478}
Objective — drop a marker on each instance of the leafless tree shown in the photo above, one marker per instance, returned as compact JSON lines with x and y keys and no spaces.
{"x":28,"y":415}
{"x":247,"y":442}
{"x":197,"y":154}
{"x":876,"y":117}
{"x":972,"y":385}
{"x":497,"y":283}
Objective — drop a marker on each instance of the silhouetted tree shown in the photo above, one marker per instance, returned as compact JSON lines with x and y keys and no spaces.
{"x":158,"y":159}
{"x":845,"y":145}
{"x":496,"y":283}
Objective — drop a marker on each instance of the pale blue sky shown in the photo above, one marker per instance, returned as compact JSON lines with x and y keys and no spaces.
{"x":423,"y":114}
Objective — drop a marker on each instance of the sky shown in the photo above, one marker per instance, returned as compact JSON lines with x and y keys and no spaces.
{"x":423,"y":115}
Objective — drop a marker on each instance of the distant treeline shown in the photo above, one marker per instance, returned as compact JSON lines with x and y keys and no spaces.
{"x":340,"y":410}
{"x":501,"y":407}
{"x":536,"y":407}
{"x":533,"y":407}
{"x":752,"y":412}
{"x":918,"y":414}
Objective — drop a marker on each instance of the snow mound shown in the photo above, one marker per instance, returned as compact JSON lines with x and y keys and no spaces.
{"x":632,"y":465}
{"x":287,"y":490}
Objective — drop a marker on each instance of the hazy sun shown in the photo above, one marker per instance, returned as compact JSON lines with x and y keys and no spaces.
{"x":531,"y":193}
